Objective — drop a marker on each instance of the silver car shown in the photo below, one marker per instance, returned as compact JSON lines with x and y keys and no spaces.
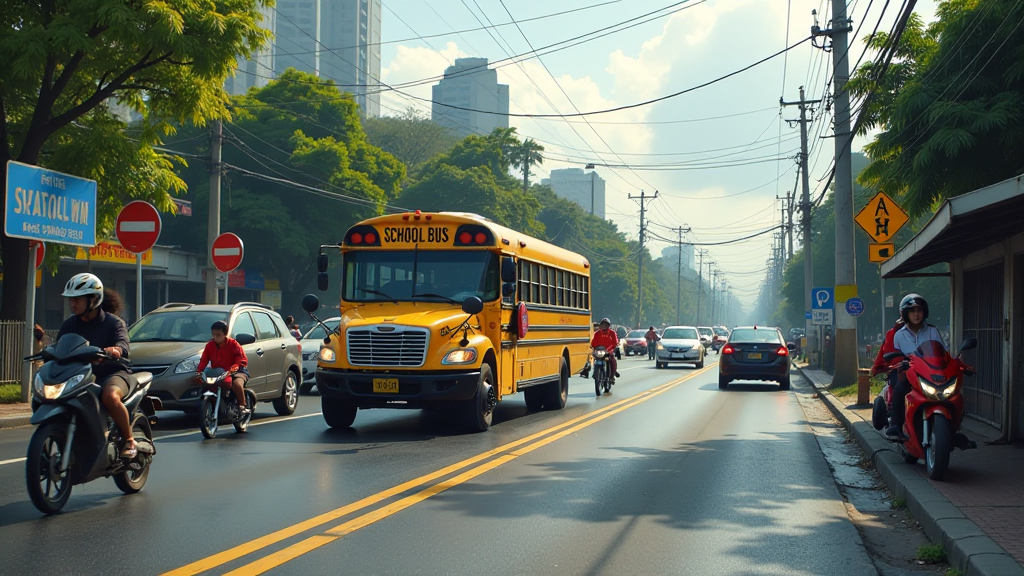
{"x":680,"y":344}
{"x":311,"y":342}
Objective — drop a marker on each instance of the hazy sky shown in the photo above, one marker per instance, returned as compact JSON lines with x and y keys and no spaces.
{"x":711,"y":153}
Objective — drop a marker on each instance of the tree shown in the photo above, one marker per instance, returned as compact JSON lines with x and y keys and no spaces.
{"x":409,"y":137}
{"x":68,"y":60}
{"x":952,"y":122}
{"x":526,"y":155}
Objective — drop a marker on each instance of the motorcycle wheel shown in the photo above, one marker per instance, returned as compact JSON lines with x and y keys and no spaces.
{"x":879,"y":414}
{"x":48,"y":489}
{"x":132,"y":480}
{"x":243,"y":424}
{"x":598,"y":375}
{"x":940,"y":445}
{"x":208,"y":417}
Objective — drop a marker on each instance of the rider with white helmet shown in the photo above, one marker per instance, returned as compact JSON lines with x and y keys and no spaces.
{"x":85,"y":294}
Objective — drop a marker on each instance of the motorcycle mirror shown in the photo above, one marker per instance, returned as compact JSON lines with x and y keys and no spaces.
{"x":892,"y":356}
{"x":969,"y":344}
{"x":310,"y":303}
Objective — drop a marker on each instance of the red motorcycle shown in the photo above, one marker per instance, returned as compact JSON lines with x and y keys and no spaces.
{"x":934,"y":408}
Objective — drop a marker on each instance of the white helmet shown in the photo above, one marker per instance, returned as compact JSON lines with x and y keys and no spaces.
{"x":85,"y":284}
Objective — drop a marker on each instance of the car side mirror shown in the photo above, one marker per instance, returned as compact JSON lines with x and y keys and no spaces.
{"x":508,"y":270}
{"x":472,"y":305}
{"x":310,"y":303}
{"x":969,"y":344}
{"x":791,"y":346}
{"x":322,"y":281}
{"x":321,"y":262}
{"x":245,"y":339}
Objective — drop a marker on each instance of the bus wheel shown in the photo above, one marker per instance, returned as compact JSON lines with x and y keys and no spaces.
{"x":556,"y":393}
{"x":479,"y":411}
{"x":534,"y":396}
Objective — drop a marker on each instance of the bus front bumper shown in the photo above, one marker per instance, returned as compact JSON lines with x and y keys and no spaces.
{"x":414,"y":389}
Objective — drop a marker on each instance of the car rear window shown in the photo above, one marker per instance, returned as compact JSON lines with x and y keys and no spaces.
{"x":755,"y":336}
{"x":680,"y":334}
{"x":636,"y":334}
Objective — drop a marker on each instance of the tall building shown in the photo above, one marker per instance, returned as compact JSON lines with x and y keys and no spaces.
{"x":671,"y":256}
{"x":257,"y":71}
{"x":583,"y":188}
{"x":297,"y":40}
{"x":472,"y":87}
{"x":350,"y":55}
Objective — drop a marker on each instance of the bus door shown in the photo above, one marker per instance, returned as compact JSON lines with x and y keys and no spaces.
{"x":508,"y":368}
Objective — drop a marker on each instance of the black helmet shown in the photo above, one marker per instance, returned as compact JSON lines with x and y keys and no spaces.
{"x":911,"y":300}
{"x":605,"y":321}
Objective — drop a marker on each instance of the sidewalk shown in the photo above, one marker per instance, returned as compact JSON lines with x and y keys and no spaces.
{"x":14,"y":415}
{"x":976,"y":513}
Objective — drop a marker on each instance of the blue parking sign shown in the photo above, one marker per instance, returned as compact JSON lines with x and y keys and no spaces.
{"x":822,"y":299}
{"x":49,"y":206}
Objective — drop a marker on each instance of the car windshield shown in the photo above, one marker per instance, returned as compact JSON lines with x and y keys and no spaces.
{"x":705,"y":331}
{"x":679,"y":334}
{"x":636,"y":334}
{"x":318,"y":332}
{"x":183,"y":326}
{"x":755,"y":336}
{"x":721,"y":331}
{"x":375,"y":276}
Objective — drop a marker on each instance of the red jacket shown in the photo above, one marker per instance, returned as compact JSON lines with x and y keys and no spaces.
{"x":887,"y":346}
{"x":607,"y":338}
{"x":230,"y":356}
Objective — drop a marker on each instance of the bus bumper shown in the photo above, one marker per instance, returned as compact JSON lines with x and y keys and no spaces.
{"x":415,"y":390}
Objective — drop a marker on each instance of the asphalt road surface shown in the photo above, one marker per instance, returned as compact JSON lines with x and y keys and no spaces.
{"x":667,"y":475}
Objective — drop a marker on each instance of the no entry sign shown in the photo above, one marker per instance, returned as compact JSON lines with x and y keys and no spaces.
{"x":138,"y":226}
{"x":227,"y":252}
{"x":40,"y":252}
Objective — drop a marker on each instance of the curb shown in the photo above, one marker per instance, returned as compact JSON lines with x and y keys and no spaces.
{"x":15,"y":421}
{"x":970,"y":550}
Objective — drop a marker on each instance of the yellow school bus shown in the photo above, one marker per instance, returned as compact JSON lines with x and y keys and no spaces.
{"x":451,"y":311}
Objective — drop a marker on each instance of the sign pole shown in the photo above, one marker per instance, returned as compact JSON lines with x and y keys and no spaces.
{"x":138,"y":286}
{"x":226,"y":274}
{"x":30,"y":322}
{"x":881,"y":291}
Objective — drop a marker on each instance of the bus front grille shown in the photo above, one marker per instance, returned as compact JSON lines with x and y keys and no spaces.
{"x":387,"y":345}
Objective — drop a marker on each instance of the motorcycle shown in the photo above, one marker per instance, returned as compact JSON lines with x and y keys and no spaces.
{"x":934,"y":406}
{"x":220,"y":405}
{"x":602,"y":375}
{"x":76,"y":441}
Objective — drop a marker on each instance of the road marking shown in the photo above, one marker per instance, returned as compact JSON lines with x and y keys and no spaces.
{"x":523,"y":446}
{"x":14,"y":461}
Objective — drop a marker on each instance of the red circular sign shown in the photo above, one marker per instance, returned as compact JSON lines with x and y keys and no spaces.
{"x":40,"y":252}
{"x":227,"y":252}
{"x":523,"y":315}
{"x":138,"y":226}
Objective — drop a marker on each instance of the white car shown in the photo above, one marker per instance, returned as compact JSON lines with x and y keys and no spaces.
{"x":311,"y":343}
{"x":680,"y":344}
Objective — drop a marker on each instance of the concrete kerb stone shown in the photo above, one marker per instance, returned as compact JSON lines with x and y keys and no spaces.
{"x":968,"y":548}
{"x":15,"y":421}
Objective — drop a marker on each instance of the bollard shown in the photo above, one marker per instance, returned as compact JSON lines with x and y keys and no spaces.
{"x":863,"y":386}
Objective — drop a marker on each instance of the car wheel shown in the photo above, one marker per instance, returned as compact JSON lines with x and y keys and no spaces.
{"x":723,"y":382}
{"x":658,"y":365}
{"x":286,"y":403}
{"x":337,"y":412}
{"x":700,"y":364}
{"x":784,"y":383}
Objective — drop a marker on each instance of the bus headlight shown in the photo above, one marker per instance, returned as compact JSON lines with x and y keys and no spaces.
{"x":327,"y":355}
{"x":460,"y":356}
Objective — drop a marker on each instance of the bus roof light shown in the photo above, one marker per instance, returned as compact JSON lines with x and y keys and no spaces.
{"x":480,"y":238}
{"x":465,"y":237}
{"x":371,"y":237}
{"x":357,"y":238}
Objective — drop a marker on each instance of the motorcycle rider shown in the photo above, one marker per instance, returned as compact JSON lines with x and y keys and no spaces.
{"x":93,"y":317}
{"x":886,"y":347}
{"x":913,"y":312}
{"x":227,"y":354}
{"x":610,"y":340}
{"x":652,"y":340}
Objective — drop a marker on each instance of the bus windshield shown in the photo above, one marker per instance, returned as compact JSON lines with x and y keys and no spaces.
{"x":375,"y":276}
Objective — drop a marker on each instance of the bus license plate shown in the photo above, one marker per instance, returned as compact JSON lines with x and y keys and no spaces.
{"x":385,"y":385}
{"x":753,"y":356}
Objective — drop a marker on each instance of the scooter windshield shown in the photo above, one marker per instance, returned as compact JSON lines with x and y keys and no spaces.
{"x":933,"y":353}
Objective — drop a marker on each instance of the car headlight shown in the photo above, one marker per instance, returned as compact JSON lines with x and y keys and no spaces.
{"x":660,"y":347}
{"x":187,"y":365}
{"x":460,"y":356}
{"x":326,"y":355}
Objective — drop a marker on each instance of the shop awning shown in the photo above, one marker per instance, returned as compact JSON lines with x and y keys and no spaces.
{"x":963,"y":225}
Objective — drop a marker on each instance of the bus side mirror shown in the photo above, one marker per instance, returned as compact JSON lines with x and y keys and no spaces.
{"x":322,"y":281}
{"x":472,"y":305}
{"x":508,"y":270}
{"x":508,"y":289}
{"x":310,"y":303}
{"x":321,"y":262}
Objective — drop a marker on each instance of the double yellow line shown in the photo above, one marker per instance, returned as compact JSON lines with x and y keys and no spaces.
{"x":508,"y":452}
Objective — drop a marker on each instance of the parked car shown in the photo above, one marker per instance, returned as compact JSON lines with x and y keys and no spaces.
{"x":169,"y":340}
{"x":635,"y":343}
{"x":679,"y":344}
{"x":706,"y":335}
{"x":755,"y":353}
{"x":311,"y":341}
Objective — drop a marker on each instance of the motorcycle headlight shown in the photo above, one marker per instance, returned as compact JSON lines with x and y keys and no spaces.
{"x":460,"y":356}
{"x":600,"y":353}
{"x":326,"y":355}
{"x":53,"y":391}
{"x":187,"y":365}
{"x":38,"y":384}
{"x":929,"y":390}
{"x":948,"y":391}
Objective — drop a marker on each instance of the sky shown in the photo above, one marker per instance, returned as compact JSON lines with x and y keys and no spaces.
{"x":719,"y":156}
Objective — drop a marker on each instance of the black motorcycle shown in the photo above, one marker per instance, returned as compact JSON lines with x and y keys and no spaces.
{"x":602,"y":376}
{"x":76,"y":440}
{"x":220,"y":405}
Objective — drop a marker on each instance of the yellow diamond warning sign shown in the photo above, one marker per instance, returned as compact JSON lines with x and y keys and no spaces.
{"x":879,"y":253}
{"x":881,"y":218}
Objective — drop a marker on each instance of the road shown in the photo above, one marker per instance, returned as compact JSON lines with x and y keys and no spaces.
{"x":668,"y":475}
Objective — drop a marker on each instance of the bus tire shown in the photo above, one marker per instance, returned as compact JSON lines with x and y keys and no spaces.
{"x":337,"y":412}
{"x":556,"y":393}
{"x":479,"y":411}
{"x":534,"y":397}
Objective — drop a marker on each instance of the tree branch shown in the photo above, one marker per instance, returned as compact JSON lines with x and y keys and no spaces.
{"x":5,"y":153}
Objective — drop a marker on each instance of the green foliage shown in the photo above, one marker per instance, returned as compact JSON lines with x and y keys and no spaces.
{"x":10,"y":393}
{"x":410,"y":138}
{"x":931,"y":554}
{"x":899,"y":504}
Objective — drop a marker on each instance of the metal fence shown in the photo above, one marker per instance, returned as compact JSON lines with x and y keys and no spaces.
{"x":12,"y":336}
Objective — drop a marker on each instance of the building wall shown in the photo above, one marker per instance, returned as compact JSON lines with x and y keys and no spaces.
{"x":350,"y":32}
{"x":257,"y":71}
{"x":584,"y":188}
{"x":297,"y":42}
{"x":671,"y":253}
{"x":471,"y":85}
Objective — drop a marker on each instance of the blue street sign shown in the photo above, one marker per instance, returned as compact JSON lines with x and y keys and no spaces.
{"x":854,"y":306}
{"x":807,"y":315}
{"x":822,"y":299}
{"x":49,"y":206}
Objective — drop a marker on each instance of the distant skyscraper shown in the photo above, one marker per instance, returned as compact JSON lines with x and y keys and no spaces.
{"x":350,"y":32}
{"x":258,"y":70}
{"x":297,"y":41}
{"x":471,"y":85}
{"x":671,"y":256}
{"x":583,"y":188}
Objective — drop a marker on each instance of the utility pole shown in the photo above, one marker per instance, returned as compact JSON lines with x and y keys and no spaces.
{"x":700,"y":282}
{"x":679,"y":271}
{"x":213,"y":225}
{"x":640,"y":256}
{"x":789,"y":226}
{"x":714,"y":288}
{"x":846,"y":265}
{"x":805,"y":208}
{"x":710,"y":264}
